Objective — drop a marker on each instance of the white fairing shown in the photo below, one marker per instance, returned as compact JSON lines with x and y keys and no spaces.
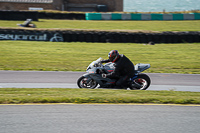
{"x":141,"y":67}
{"x":93,"y":63}
{"x":107,"y":66}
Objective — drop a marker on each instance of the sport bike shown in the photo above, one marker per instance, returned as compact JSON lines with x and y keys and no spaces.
{"x":92,"y":78}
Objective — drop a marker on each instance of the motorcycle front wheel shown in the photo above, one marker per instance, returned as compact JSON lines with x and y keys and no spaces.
{"x":143,"y":81}
{"x":84,"y":82}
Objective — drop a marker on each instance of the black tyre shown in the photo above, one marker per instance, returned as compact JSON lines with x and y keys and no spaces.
{"x":143,"y":81}
{"x":84,"y":83}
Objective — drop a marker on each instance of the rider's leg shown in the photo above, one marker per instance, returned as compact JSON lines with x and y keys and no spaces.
{"x":122,"y":82}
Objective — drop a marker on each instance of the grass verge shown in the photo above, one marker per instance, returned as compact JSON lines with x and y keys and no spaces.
{"x":190,"y":25}
{"x":76,"y":56}
{"x":58,"y":95}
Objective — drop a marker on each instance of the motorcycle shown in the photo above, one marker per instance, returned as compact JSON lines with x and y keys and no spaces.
{"x":93,"y":78}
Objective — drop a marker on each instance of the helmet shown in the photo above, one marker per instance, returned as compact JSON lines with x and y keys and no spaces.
{"x":113,"y":55}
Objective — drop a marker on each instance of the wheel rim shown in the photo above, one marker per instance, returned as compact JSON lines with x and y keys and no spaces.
{"x":91,"y":84}
{"x":141,"y":82}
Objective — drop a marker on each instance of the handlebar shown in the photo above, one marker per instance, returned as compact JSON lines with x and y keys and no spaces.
{"x":99,"y":64}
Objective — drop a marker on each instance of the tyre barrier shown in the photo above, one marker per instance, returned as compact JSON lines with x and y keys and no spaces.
{"x":34,"y":15}
{"x":123,"y":16}
{"x":18,"y":15}
{"x":71,"y":16}
{"x":99,"y":36}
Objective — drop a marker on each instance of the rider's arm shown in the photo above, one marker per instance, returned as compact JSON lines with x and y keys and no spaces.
{"x":105,"y":61}
{"x":115,"y":73}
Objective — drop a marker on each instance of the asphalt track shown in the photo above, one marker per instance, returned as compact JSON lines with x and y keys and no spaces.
{"x":99,"y":118}
{"x":66,"y":79}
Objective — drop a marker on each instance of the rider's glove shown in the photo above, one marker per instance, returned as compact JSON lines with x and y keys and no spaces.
{"x":103,"y":75}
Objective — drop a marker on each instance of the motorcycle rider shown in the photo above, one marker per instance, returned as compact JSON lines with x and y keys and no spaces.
{"x":124,"y":68}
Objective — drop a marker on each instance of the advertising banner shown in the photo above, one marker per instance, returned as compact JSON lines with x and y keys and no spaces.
{"x":31,"y":36}
{"x":99,"y":36}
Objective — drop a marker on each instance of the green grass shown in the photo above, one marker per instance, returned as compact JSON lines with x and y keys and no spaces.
{"x":112,"y":25}
{"x":64,"y":56}
{"x":58,"y":95}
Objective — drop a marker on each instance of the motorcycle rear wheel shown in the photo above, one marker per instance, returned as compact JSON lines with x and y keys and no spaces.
{"x":83,"y":82}
{"x":143,"y":80}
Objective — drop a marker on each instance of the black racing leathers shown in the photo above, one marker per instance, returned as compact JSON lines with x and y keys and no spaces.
{"x":124,"y":69}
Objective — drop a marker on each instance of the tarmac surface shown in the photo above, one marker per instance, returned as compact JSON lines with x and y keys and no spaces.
{"x":68,"y":79}
{"x":99,"y":118}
